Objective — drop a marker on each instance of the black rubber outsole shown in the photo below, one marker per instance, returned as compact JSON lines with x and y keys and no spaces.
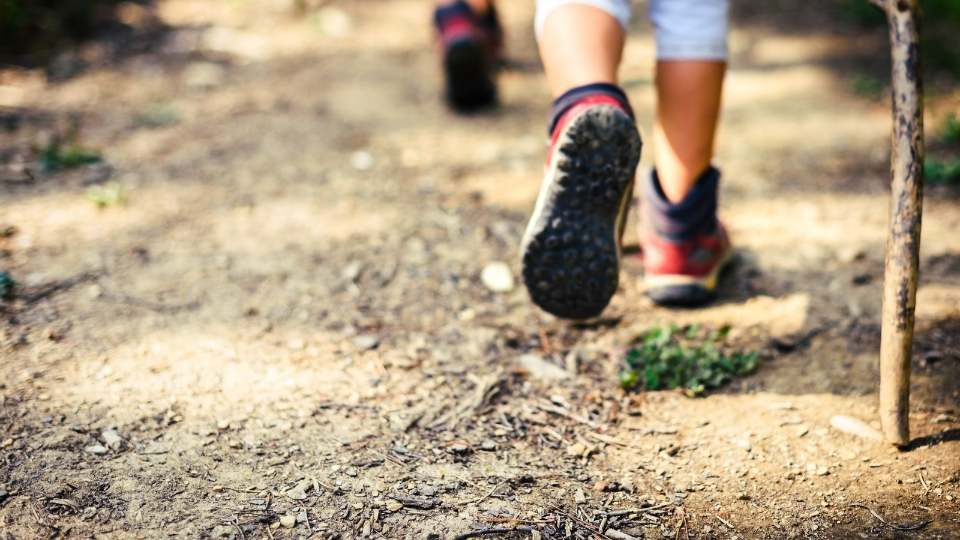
{"x":469,"y":76}
{"x":683,"y":296}
{"x":571,"y":259}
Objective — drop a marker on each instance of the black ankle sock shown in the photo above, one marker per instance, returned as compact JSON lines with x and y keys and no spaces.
{"x":570,"y":98}
{"x":695,"y":214}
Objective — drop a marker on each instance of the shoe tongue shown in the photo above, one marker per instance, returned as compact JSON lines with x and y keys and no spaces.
{"x":571,"y":98}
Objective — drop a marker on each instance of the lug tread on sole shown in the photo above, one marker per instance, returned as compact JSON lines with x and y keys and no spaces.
{"x":571,"y":263}
{"x":470,"y":79}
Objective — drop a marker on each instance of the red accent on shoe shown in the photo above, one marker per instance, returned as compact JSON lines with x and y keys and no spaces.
{"x":456,"y":28}
{"x":576,"y":109}
{"x":696,"y":257}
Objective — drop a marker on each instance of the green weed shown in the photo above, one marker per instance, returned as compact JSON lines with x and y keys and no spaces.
{"x":106,"y":195}
{"x":670,"y":357}
{"x":6,"y":285}
{"x":58,"y":156}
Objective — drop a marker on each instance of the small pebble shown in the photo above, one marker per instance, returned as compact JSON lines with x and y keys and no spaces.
{"x":459,"y":448}
{"x":288,"y":521}
{"x":361,"y":160}
{"x":366,"y":342}
{"x":497,"y":277}
{"x":97,"y":449}
{"x":111,"y":438}
{"x":538,"y":368}
{"x":854,"y":426}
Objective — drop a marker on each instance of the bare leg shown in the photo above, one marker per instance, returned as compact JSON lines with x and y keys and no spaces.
{"x":580,"y":45}
{"x":688,"y":106}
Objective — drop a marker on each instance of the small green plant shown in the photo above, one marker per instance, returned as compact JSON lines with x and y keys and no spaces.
{"x":106,"y":195}
{"x":862,"y":13}
{"x":6,"y":285}
{"x":58,"y":156}
{"x":688,"y":358}
{"x":942,"y":172}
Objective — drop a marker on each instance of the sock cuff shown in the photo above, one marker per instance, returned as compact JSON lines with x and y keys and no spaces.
{"x":571,"y":97}
{"x":696,"y":213}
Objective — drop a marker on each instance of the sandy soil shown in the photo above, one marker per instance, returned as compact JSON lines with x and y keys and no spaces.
{"x":283,"y":332}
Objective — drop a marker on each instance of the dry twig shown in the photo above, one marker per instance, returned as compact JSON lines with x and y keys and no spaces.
{"x":492,"y":531}
{"x":915,"y":527}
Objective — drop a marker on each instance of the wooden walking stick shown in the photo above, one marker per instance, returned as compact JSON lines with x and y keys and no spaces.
{"x":906,"y":208}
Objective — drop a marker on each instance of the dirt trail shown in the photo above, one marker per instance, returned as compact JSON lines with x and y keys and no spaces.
{"x":286,"y":328}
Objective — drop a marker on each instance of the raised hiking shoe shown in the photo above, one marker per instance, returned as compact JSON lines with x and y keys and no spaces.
{"x":571,"y":248}
{"x":684,"y":246}
{"x":471,"y":46}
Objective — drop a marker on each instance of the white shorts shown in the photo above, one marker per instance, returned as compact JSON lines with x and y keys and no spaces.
{"x":685,"y":29}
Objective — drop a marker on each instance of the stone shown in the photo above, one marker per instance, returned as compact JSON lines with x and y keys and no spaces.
{"x":299,"y":491}
{"x":111,"y":438}
{"x":97,"y":449}
{"x":366,"y":342}
{"x":361,"y":160}
{"x":538,"y":368}
{"x":854,"y":426}
{"x":459,"y":448}
{"x":497,"y":277}
{"x":288,"y":521}
{"x":204,"y":75}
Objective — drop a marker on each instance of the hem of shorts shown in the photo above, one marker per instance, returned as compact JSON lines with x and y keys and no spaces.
{"x":692,"y":52}
{"x":622,"y":17}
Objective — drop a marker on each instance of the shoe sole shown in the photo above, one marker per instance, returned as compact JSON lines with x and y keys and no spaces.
{"x":470,"y":83}
{"x":571,"y":249}
{"x":678,"y":290}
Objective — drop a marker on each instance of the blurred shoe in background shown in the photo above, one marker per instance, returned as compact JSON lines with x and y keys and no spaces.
{"x":471,"y":41}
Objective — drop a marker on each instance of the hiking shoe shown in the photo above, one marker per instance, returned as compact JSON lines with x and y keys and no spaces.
{"x":571,"y":248}
{"x":684,"y":246}
{"x":471,"y":46}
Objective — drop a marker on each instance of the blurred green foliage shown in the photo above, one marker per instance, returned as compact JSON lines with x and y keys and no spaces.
{"x":32,"y":30}
{"x":688,"y":358}
{"x":950,"y":131}
{"x":942,"y":172}
{"x":6,"y":284}
{"x":868,"y":86}
{"x":939,"y":35}
{"x":942,"y":165}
